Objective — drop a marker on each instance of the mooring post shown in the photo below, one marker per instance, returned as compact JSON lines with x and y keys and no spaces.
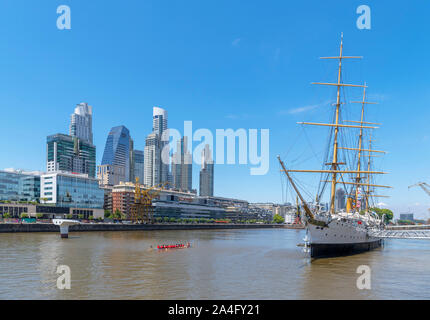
{"x":64,"y":226}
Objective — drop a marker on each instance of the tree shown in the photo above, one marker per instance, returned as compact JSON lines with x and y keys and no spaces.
{"x":6,"y":215}
{"x":117,"y":214}
{"x":91,"y":217}
{"x":278,"y":219}
{"x":107,"y":213}
{"x":380,"y":212}
{"x":39,"y":215}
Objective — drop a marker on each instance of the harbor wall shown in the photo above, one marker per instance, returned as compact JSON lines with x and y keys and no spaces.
{"x":87,"y":227}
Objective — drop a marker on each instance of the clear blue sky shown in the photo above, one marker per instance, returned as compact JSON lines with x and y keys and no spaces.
{"x":221,"y":64}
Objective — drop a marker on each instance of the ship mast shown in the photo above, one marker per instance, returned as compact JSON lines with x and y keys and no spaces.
{"x":339,"y":84}
{"x":360,"y":142}
{"x":368,"y":176}
{"x":334,"y":166}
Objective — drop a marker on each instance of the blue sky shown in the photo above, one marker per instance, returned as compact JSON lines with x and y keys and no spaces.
{"x":221,"y":64}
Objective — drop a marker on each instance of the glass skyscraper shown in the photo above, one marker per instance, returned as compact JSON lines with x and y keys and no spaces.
{"x":81,"y":122}
{"x":67,"y":153}
{"x":117,"y":150}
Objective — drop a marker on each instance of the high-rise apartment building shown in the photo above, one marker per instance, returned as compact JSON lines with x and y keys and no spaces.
{"x":67,"y":153}
{"x":152,"y":160}
{"x":182,"y":166}
{"x":81,"y":124}
{"x":207,"y":173}
{"x":117,"y":153}
{"x":156,"y":171}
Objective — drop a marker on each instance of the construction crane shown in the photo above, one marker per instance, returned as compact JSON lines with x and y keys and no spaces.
{"x":423,"y":186}
{"x":142,"y":210}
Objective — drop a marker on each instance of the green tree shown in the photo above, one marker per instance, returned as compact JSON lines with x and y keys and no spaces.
{"x":69,"y":216}
{"x":107,"y":213}
{"x":6,"y":215}
{"x":117,"y":214}
{"x":278,"y":219}
{"x":380,"y":212}
{"x":91,"y":217}
{"x":39,"y":215}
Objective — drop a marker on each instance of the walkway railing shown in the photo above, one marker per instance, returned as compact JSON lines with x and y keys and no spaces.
{"x":402,"y":234}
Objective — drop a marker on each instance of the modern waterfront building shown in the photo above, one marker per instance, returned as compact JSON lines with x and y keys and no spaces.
{"x":67,"y":153}
{"x":182,"y":166}
{"x":156,"y":171}
{"x":117,"y":151}
{"x":18,"y":185}
{"x":182,"y":204}
{"x":207,"y":173}
{"x":64,"y":189}
{"x":81,"y":123}
{"x":15,"y":210}
{"x":169,"y":203}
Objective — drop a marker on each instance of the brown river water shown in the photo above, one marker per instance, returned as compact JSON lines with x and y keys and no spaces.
{"x":222,"y":264}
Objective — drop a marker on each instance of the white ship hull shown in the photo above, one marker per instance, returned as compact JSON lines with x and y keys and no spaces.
{"x":341,"y":236}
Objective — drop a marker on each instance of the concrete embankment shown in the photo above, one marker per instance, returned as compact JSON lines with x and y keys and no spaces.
{"x":85,"y":227}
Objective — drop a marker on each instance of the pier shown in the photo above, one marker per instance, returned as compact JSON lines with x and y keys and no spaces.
{"x":88,"y":227}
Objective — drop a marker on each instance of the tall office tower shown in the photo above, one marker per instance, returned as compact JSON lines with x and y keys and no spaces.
{"x":182,"y":167}
{"x":81,"y":124}
{"x":207,"y":173}
{"x":131,"y":166}
{"x":67,"y":153}
{"x":152,"y":160}
{"x":139,"y":165}
{"x":159,"y":125}
{"x":117,"y":151}
{"x":340,"y":199}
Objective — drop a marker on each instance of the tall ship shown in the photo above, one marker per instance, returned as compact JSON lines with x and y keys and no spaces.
{"x":333,"y":229}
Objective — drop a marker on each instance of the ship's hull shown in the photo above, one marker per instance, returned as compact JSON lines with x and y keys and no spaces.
{"x":325,"y":250}
{"x":341,"y":237}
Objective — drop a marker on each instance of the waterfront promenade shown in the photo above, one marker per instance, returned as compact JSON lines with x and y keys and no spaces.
{"x":84,"y":227}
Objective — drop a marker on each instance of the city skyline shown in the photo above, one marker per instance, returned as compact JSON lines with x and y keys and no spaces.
{"x":237,"y":75}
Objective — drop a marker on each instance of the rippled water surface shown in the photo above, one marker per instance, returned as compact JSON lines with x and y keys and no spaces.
{"x":222,"y":264}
